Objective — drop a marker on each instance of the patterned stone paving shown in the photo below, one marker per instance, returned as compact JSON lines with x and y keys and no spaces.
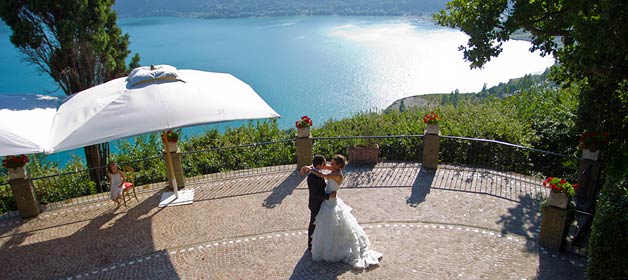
{"x":453,"y":223}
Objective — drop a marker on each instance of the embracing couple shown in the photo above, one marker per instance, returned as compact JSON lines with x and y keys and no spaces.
{"x":334,"y":234}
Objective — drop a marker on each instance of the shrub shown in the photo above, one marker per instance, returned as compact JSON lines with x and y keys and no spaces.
{"x":609,"y":234}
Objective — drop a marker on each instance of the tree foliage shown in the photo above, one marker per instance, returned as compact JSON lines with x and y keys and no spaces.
{"x":588,"y":40}
{"x":77,"y":43}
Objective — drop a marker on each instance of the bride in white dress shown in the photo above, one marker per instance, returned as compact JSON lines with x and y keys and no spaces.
{"x":338,"y":236}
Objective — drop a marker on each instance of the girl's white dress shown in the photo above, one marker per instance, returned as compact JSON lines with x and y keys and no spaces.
{"x":338,"y":236}
{"x":116,"y":186}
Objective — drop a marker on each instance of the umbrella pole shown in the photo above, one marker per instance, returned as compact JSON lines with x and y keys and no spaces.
{"x":170,"y":168}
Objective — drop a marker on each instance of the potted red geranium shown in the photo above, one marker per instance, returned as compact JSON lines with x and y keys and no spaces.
{"x":303,"y":126}
{"x":172,"y":137}
{"x":591,"y":142}
{"x":15,"y":165}
{"x":561,"y":191}
{"x":431,"y":120}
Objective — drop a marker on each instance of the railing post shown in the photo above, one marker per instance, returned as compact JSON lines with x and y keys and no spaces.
{"x":304,"y":151}
{"x":24,"y":194}
{"x":175,"y":155}
{"x":431,"y":140}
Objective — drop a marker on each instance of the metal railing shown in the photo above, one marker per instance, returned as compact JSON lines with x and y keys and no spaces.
{"x":391,"y":148}
{"x":502,"y":156}
{"x":501,"y":169}
{"x":75,"y":188}
{"x":239,"y":160}
{"x":7,"y":201}
{"x":512,"y":162}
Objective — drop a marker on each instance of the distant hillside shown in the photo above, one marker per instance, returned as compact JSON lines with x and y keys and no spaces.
{"x":513,"y":86}
{"x":248,"y":8}
{"x":418,"y":101}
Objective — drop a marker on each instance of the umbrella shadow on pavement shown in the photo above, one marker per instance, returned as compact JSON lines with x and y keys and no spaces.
{"x":285,"y":188}
{"x":84,"y":243}
{"x":15,"y":239}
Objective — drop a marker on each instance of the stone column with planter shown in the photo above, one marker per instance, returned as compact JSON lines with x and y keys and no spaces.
{"x":556,"y":213}
{"x":304,"y":143}
{"x":592,"y":144}
{"x":431,"y":141}
{"x":175,"y":155}
{"x":24,"y":192}
{"x":554,"y":226}
{"x":304,"y":150}
{"x":588,"y":180}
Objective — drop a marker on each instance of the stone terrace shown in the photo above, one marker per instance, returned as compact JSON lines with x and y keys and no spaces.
{"x":452,"y":223}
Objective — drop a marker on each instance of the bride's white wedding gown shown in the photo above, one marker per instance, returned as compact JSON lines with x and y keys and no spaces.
{"x":338,"y":236}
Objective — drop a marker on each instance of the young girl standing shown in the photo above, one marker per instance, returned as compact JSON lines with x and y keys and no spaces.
{"x":116,"y":181}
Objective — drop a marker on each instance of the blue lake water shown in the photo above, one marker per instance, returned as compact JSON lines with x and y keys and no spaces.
{"x":327,"y":67}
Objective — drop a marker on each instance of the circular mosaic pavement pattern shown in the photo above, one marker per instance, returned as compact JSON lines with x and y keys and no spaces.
{"x":437,"y":251}
{"x":254,"y":227}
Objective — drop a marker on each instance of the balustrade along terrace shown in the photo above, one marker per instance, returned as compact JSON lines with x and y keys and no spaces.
{"x":498,"y":168}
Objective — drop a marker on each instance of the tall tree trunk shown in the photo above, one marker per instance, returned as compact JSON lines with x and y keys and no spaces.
{"x":96,"y":157}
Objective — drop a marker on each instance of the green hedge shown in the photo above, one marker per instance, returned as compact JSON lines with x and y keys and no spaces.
{"x":608,"y":245}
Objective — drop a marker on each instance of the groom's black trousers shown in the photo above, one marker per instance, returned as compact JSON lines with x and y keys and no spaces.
{"x":310,"y":229}
{"x":316,"y":187}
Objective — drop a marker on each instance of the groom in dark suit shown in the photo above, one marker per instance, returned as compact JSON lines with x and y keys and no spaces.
{"x":316,"y":186}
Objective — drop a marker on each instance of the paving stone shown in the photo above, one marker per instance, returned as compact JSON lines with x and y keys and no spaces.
{"x":453,"y":223}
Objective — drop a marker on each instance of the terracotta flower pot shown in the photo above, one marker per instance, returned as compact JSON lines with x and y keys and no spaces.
{"x":363,"y":154}
{"x":17,"y":173}
{"x":303,"y":132}
{"x":172,"y":146}
{"x":432,"y":128}
{"x":558,"y":199}
{"x":588,"y":154}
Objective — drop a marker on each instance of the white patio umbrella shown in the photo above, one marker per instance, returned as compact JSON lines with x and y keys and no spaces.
{"x":26,"y":121}
{"x":153,"y":100}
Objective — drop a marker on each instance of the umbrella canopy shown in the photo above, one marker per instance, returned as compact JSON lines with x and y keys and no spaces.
{"x":152,"y":100}
{"x":26,"y":121}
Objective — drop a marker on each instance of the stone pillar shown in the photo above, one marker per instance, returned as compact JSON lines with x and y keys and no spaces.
{"x":304,"y":151}
{"x":24,"y":194}
{"x":553,"y":227}
{"x":430,"y":148}
{"x":589,"y":184}
{"x":175,"y":155}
